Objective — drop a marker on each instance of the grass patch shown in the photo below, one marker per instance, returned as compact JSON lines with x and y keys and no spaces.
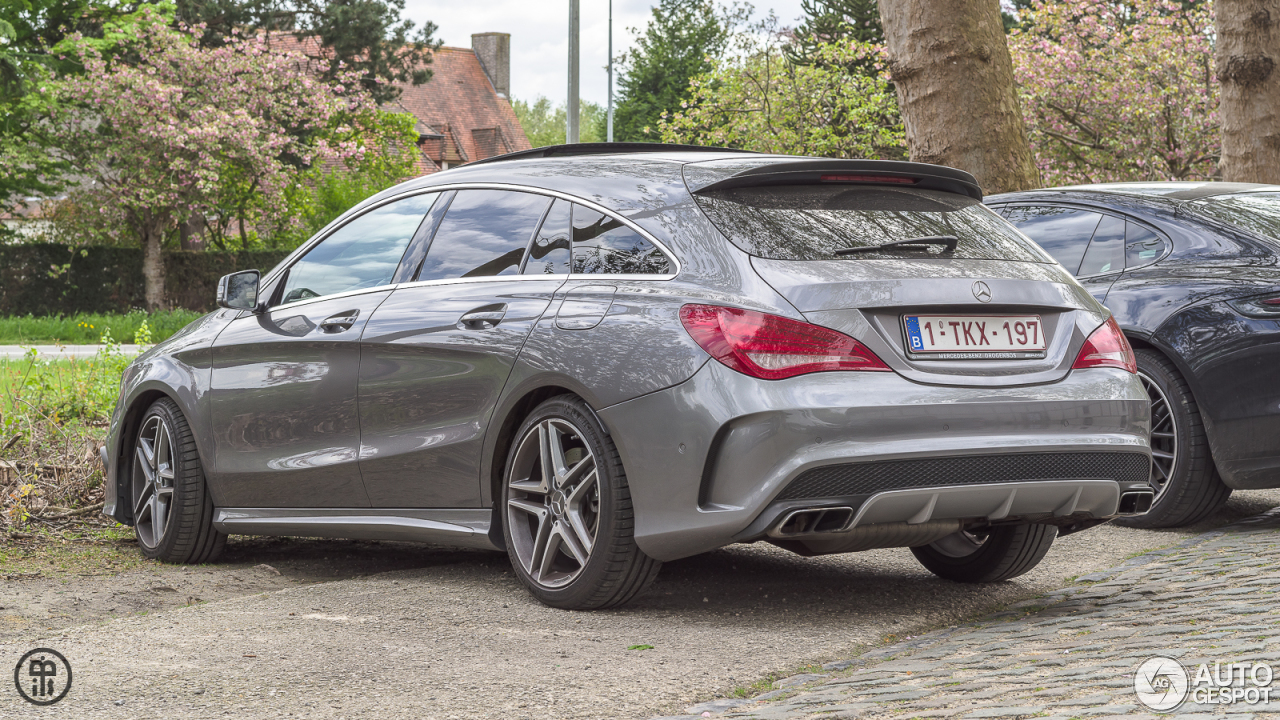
{"x":88,"y":328}
{"x":53,"y":419}
{"x":43,"y":552}
{"x":639,"y":647}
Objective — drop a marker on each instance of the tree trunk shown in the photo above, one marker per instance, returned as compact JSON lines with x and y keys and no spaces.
{"x":153,"y":266}
{"x":1248,"y":47}
{"x":951,"y":65}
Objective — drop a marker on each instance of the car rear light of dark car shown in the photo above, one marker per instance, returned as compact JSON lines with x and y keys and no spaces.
{"x":772,"y":347}
{"x":1107,"y":347}
{"x":1259,"y":306}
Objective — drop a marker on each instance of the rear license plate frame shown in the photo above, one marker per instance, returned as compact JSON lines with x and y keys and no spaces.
{"x":1004,"y":354}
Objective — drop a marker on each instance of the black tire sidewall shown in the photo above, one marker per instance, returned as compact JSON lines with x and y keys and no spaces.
{"x":994,"y":560}
{"x":582,"y":591}
{"x":186,"y":538}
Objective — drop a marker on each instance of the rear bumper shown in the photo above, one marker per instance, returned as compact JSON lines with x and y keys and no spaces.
{"x":713,"y":461}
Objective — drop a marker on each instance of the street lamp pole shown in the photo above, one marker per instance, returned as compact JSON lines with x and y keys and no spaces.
{"x":609,"y":120}
{"x":571,"y":106}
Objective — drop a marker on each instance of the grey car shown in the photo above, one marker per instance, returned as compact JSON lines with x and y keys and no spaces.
{"x":602,"y":357}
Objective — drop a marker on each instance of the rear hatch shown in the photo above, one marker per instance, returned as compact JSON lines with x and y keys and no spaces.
{"x":973,"y":302}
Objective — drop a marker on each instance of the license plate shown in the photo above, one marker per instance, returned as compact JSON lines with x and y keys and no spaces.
{"x":975,"y":336}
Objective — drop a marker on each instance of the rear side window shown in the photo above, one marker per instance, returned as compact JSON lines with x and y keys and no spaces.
{"x":811,"y":222}
{"x":1063,"y":232}
{"x":549,"y":254}
{"x":1142,"y":247}
{"x":1256,"y":212}
{"x":602,"y":244}
{"x":1106,"y":251}
{"x":483,"y":233}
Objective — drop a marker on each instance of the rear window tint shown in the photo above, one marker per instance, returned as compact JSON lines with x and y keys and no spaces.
{"x":1256,"y":212}
{"x":811,"y":222}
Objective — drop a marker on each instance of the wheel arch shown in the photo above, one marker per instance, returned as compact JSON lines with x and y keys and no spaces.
{"x":130,"y":424}
{"x":498,"y":445}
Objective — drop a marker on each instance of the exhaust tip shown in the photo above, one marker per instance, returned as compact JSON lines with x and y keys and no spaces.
{"x":1136,"y":503}
{"x":813,"y":520}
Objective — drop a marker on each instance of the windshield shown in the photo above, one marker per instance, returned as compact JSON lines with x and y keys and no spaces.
{"x":1256,"y":212}
{"x":812,"y":222}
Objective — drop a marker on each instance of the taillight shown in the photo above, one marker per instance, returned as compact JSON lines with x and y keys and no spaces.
{"x":1107,"y":347}
{"x":1260,"y":306}
{"x":772,"y":347}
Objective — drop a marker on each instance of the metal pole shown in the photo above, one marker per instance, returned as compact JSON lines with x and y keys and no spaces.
{"x":571,"y":107}
{"x":609,"y":120}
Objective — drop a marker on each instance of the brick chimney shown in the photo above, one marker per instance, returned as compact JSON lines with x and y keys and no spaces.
{"x":494,"y":52}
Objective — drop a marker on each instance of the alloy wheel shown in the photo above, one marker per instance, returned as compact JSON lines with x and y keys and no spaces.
{"x":553,"y":503}
{"x":1164,"y":435}
{"x":153,"y":474}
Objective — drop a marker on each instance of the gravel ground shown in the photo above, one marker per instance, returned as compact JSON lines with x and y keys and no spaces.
{"x":451,"y":634}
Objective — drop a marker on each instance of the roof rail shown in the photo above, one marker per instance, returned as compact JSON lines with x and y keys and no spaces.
{"x":807,"y":171}
{"x":602,"y":149}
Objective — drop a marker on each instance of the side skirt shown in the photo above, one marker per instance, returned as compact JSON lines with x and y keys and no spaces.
{"x":460,"y":528}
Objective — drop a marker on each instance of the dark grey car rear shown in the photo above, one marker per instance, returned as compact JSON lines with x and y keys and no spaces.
{"x":399,"y":375}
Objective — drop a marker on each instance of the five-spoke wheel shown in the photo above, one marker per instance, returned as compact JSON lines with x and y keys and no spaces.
{"x":172,"y":510}
{"x":153,"y":481}
{"x":567,"y":516}
{"x":554,"y":503}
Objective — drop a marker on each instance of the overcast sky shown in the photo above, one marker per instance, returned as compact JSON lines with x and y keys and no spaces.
{"x":539,"y":36}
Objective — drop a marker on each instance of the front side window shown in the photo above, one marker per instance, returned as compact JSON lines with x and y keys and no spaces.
{"x":604,"y":245}
{"x":1063,"y":232}
{"x":364,"y":253}
{"x":484,"y":233}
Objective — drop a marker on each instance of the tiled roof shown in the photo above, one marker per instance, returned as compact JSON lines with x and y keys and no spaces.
{"x":460,"y":102}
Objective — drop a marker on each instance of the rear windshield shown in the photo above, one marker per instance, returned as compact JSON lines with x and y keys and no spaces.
{"x":811,"y":222}
{"x":1256,"y":212}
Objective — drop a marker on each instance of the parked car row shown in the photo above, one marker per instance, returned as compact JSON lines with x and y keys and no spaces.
{"x":598,"y":358}
{"x":1189,"y":271}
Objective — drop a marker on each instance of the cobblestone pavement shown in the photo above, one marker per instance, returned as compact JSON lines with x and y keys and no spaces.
{"x":1071,"y":653}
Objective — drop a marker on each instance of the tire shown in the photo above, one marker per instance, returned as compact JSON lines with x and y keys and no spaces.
{"x":167,"y":464}
{"x":1188,"y":488}
{"x":1002,"y":552}
{"x":569,"y":533}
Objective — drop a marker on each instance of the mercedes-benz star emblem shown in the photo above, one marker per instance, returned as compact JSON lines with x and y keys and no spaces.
{"x":981,"y":291}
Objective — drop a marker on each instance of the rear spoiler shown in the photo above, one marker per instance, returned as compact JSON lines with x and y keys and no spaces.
{"x":854,"y":172}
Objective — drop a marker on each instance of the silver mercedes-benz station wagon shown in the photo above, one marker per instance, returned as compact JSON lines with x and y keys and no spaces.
{"x":602,"y":357}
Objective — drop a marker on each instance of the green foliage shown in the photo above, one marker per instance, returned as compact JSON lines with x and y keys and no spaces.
{"x":88,"y":328}
{"x":681,"y":41}
{"x":545,"y":124}
{"x":60,"y":390}
{"x":760,"y":100}
{"x":828,"y":21}
{"x":366,"y":35}
{"x":379,"y":151}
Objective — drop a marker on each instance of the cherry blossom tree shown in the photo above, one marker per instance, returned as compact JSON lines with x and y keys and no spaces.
{"x":1118,"y":90}
{"x":157,"y":132}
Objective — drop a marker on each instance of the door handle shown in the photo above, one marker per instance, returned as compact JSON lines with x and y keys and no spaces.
{"x":340,"y":322}
{"x":483,"y":318}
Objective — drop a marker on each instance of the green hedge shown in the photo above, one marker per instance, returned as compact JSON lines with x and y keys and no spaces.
{"x":51,"y":279}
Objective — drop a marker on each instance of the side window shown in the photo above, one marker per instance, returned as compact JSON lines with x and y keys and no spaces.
{"x":602,"y":244}
{"x":549,"y":254}
{"x":364,"y":253}
{"x":1106,"y":251}
{"x":484,"y":233}
{"x":1063,"y":232}
{"x":1142,"y":247}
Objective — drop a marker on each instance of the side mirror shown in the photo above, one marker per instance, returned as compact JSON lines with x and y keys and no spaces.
{"x":239,"y":291}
